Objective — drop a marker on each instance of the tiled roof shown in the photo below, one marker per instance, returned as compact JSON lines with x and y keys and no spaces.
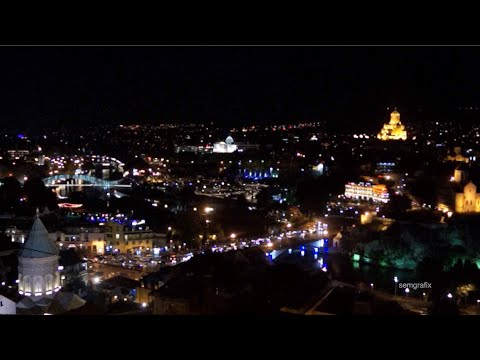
{"x":38,"y":245}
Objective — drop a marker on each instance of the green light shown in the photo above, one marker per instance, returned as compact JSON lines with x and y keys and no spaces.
{"x":356,"y":257}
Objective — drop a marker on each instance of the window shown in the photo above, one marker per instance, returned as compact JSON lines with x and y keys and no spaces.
{"x":49,"y":282}
{"x":117,"y":236}
{"x":37,"y":284}
{"x":27,"y":284}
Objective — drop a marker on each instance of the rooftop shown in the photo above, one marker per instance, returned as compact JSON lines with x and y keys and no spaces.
{"x":38,"y":244}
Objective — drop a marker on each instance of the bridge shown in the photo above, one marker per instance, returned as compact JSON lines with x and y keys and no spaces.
{"x":51,"y":181}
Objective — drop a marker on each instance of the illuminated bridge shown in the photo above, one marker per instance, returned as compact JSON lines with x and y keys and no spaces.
{"x":81,"y":180}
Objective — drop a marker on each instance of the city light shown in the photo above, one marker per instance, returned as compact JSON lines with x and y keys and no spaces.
{"x":232,"y":236}
{"x":208,"y":210}
{"x":96,"y":280}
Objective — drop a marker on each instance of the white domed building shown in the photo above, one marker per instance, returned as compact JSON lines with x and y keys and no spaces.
{"x":38,"y":274}
{"x":226,"y":146}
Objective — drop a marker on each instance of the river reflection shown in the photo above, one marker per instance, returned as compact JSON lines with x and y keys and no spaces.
{"x":313,"y":257}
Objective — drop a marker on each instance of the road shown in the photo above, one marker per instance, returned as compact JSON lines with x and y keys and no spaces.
{"x":110,"y":271}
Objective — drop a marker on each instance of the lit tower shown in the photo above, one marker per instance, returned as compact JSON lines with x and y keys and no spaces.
{"x":38,"y":263}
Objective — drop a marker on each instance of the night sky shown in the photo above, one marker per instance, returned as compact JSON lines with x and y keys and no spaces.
{"x":345,"y":86}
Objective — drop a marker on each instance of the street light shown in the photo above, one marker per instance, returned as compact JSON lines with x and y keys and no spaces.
{"x":232,"y":236}
{"x":407,"y":290}
{"x":396,"y":281}
{"x":371,"y":286}
{"x":208,"y":210}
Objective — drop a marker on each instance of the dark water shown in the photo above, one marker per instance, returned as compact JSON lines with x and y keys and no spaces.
{"x":342,"y":268}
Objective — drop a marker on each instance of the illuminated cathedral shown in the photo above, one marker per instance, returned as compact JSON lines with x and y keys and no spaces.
{"x":394,"y":130}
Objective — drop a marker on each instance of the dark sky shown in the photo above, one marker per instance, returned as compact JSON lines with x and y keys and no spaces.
{"x":75,"y":86}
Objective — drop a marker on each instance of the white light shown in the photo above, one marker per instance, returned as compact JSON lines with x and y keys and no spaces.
{"x":324,"y":269}
{"x":144,"y":304}
{"x":449,"y":295}
{"x":20,"y":292}
{"x":17,"y":281}
{"x":208,"y":209}
{"x":169,"y":228}
{"x":289,"y":251}
{"x":60,"y":268}
{"x":28,"y":294}
{"x":395,"y":279}
{"x":303,"y":253}
{"x":407,"y":290}
{"x":232,"y":236}
{"x":48,"y":292}
{"x":38,"y":294}
{"x":96,"y":280}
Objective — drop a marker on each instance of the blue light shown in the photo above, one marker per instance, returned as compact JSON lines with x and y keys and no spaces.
{"x":20,"y":136}
{"x":316,"y":250}
{"x":325,"y":249}
{"x":303,"y":247}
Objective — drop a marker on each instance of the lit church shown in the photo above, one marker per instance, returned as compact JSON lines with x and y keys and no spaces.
{"x":38,"y":273}
{"x":394,"y":130}
{"x":469,"y":200}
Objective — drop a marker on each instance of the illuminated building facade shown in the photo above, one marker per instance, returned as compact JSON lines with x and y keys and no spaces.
{"x":225,"y":147}
{"x":457,"y":156}
{"x":121,"y":239}
{"x":38,"y":273}
{"x":367,"y":191}
{"x":384,"y":167}
{"x":394,"y":130}
{"x":469,"y":200}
